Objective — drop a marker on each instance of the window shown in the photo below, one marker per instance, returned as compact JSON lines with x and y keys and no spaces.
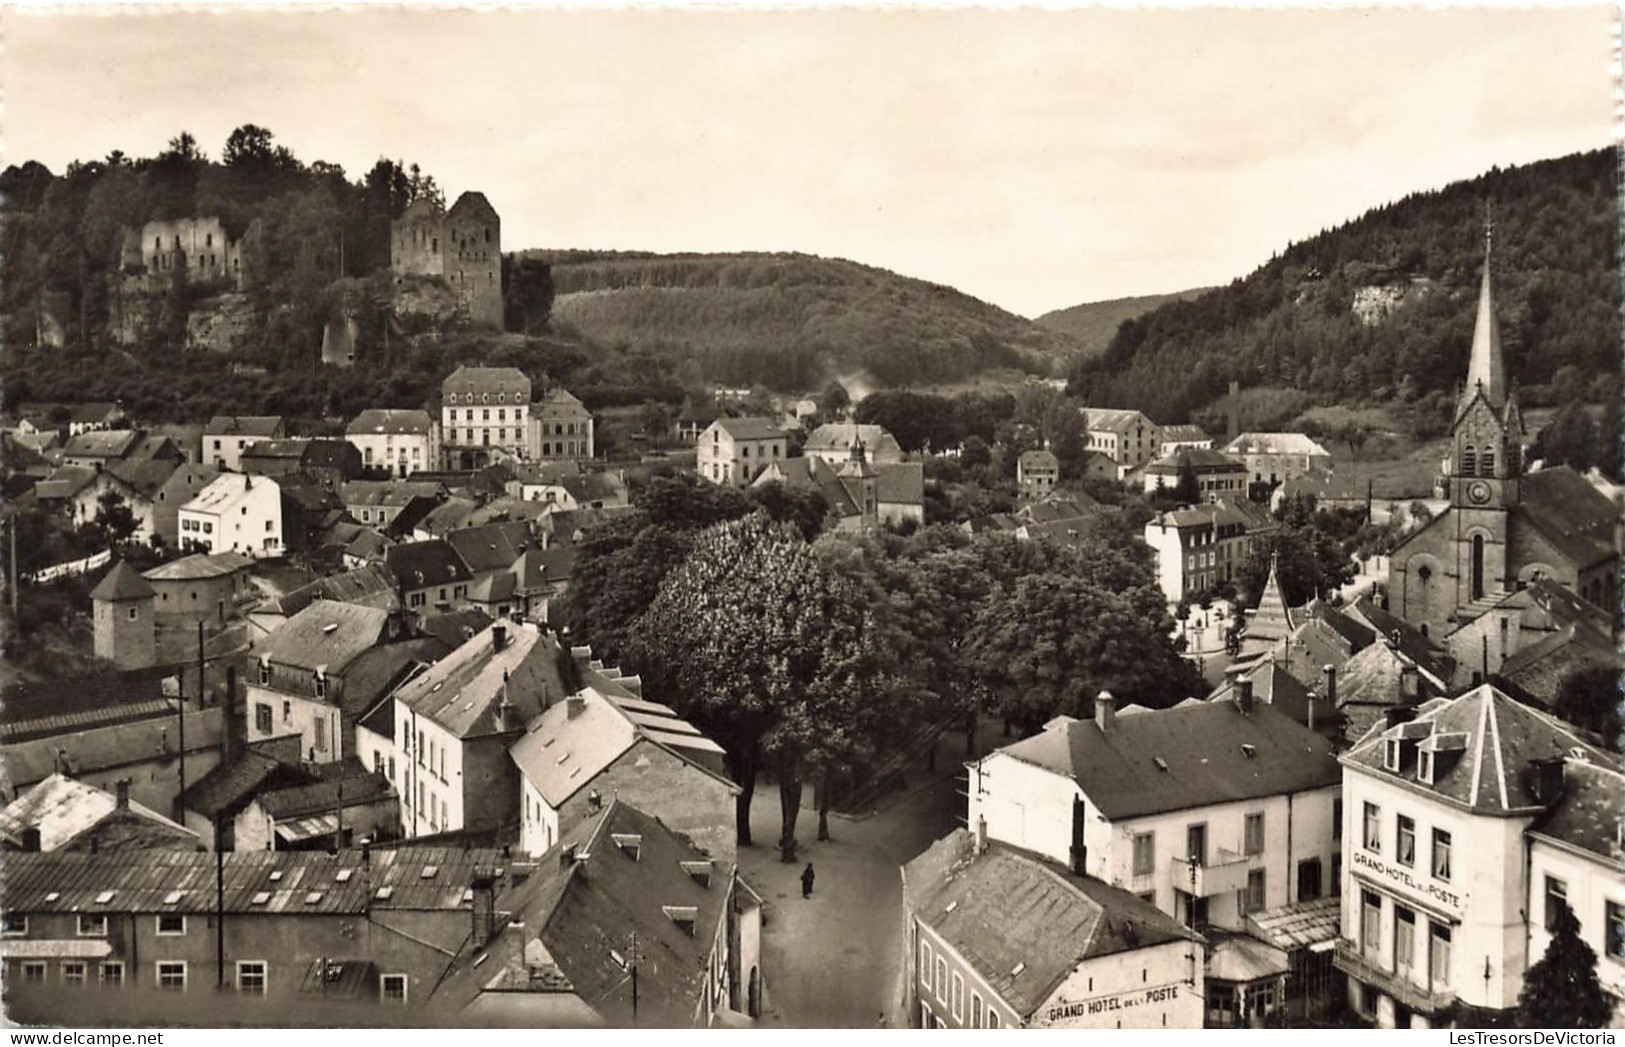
{"x":975,"y":1010}
{"x":1309,"y":879}
{"x":13,"y":924}
{"x":1405,"y":841}
{"x":1145,"y":854}
{"x":1337,"y":818}
{"x":287,"y":711}
{"x":1253,"y":834}
{"x":262,"y":718}
{"x":1486,"y":464}
{"x":392,"y":987}
{"x":171,"y":923}
{"x":959,"y":998}
{"x":321,"y":734}
{"x":992,"y":1018}
{"x":1404,"y":939}
{"x":112,"y":974}
{"x":941,"y":987}
{"x":320,"y":682}
{"x":34,"y":973}
{"x":92,"y":925}
{"x":1439,"y":954}
{"x":1424,"y":762}
{"x":1441,"y":854}
{"x":1390,"y":754}
{"x":1252,"y":899}
{"x":73,"y":973}
{"x":925,"y":964}
{"x":1557,"y":899}
{"x":1370,"y":920}
{"x":1614,"y":930}
{"x":1373,"y":828}
{"x":172,"y":976}
{"x":1469,"y":461}
{"x":251,"y":977}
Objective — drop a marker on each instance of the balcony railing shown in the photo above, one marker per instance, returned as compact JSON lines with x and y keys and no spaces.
{"x":1353,"y":961}
{"x":1225,"y":875}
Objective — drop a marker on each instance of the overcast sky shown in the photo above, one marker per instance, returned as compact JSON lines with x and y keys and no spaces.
{"x":1034,"y":159}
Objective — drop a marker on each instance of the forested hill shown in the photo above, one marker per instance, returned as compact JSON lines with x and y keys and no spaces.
{"x":1092,"y":324}
{"x":789,"y":321}
{"x":1382,"y":308}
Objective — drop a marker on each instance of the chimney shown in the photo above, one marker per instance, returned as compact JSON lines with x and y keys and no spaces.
{"x":1310,"y":706}
{"x":1410,"y":682}
{"x":1546,"y":779}
{"x":1233,"y":414}
{"x":484,"y":886}
{"x":499,"y":637}
{"x":1244,"y":695}
{"x":1395,"y":715}
{"x":30,"y":838}
{"x":567,"y":855}
{"x":1105,"y":712}
{"x":981,"y":835}
{"x":574,"y":706}
{"x":1331,"y":684}
{"x":121,"y":790}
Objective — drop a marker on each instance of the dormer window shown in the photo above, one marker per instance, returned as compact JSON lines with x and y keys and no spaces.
{"x":1390,"y":754}
{"x":631,"y":844}
{"x":684,"y":916}
{"x":265,"y":673}
{"x":320,"y":681}
{"x":1424,"y":767}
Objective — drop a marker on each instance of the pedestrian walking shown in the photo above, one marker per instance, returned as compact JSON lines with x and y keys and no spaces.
{"x":807,"y":881}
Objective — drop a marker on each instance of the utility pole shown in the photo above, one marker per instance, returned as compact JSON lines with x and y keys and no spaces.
{"x":219,"y":907}
{"x":632,"y":958}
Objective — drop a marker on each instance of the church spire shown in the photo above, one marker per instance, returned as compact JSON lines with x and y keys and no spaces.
{"x":1486,"y":369}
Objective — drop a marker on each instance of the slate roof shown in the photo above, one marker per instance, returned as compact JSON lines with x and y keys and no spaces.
{"x":468,"y":379}
{"x":406,"y":519}
{"x":63,"y":810}
{"x":559,"y":398}
{"x":102,"y":443}
{"x":1501,"y":736}
{"x":356,"y":787}
{"x":493,"y":547}
{"x":145,"y":478}
{"x":1024,"y":924}
{"x":1299,"y":924}
{"x":1570,"y":513}
{"x":417,"y":878}
{"x":1588,"y":814}
{"x":388,"y":492}
{"x":1203,"y":460}
{"x":1273,"y":685}
{"x":326,"y":634}
{"x":1200,"y":743}
{"x":230,"y":785}
{"x":448,"y":516}
{"x":1109,"y":419}
{"x":369,"y":586}
{"x":95,"y":412}
{"x":838,"y":438}
{"x":750,"y":428}
{"x":420,"y":565}
{"x":1538,"y":671}
{"x":33,"y":710}
{"x":561,"y":754}
{"x":1408,"y":639}
{"x":455,"y":628}
{"x":594,"y":487}
{"x":225,"y":491}
{"x":1276,"y":443}
{"x":123,"y":582}
{"x":1176,"y":433}
{"x":98,"y":747}
{"x":64,"y":482}
{"x":384,"y":421}
{"x":263,"y":426}
{"x":1072,"y":507}
{"x":573,"y":918}
{"x":466,"y":691}
{"x":199,"y":566}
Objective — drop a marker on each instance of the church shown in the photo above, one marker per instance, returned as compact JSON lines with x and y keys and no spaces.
{"x":1505,"y":526}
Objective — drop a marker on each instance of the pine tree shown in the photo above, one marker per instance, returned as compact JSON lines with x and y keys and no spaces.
{"x":1562,"y":991}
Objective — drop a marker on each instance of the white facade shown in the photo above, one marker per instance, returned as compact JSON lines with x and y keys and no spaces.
{"x":400,"y":453}
{"x":235,"y":513}
{"x":1595,"y":892}
{"x":734,"y":457}
{"x":539,"y":822}
{"x":429,"y":774}
{"x":1288,"y":855}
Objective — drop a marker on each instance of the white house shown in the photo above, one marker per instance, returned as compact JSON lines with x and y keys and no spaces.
{"x":1209,"y":810}
{"x":1445,"y":807}
{"x":226,"y":437}
{"x":296,"y":677}
{"x":997,"y":938}
{"x":732,"y":451}
{"x":400,"y":442}
{"x":606,"y":741}
{"x":453,"y":724}
{"x":235,"y":513}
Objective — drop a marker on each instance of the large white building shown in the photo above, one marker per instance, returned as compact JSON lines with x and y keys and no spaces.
{"x":561,"y":427}
{"x":398,"y":442}
{"x":226,"y":437}
{"x":732,"y":451}
{"x":483,"y":409}
{"x":1455,"y":814}
{"x":297,"y":675}
{"x":1209,"y":810}
{"x":235,"y":513}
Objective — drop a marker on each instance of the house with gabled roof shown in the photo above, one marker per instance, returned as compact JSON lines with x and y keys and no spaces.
{"x":60,"y":814}
{"x":430,"y":576}
{"x":733,"y":451}
{"x":227,"y":436}
{"x":1209,"y":810}
{"x":622,"y":893}
{"x":401,"y":442}
{"x":1439,"y":801}
{"x":999,"y":938}
{"x":606,"y":740}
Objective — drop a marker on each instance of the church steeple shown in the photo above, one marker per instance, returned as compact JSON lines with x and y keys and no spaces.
{"x":1486,"y":368}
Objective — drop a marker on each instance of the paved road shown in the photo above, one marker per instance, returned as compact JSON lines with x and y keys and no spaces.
{"x":834,"y":960}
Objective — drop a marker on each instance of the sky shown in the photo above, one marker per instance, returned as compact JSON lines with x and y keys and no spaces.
{"x":1033,"y":158}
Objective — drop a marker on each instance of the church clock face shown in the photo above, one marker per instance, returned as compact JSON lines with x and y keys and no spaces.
{"x":1478,"y":491}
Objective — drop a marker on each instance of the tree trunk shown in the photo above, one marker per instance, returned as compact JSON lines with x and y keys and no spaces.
{"x":744,"y":769}
{"x":823,"y":806}
{"x":789,"y":804}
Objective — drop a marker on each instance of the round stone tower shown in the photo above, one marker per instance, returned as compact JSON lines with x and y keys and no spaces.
{"x":123,"y":621}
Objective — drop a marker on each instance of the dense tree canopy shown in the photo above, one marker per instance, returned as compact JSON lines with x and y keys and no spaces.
{"x":1561,"y":990}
